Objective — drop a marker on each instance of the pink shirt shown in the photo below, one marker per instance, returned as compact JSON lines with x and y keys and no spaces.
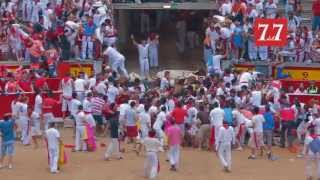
{"x":174,"y":135}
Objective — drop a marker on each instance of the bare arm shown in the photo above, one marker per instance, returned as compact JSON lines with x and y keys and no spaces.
{"x":134,"y":40}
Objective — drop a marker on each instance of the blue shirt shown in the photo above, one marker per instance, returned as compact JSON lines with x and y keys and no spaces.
{"x":7,"y":130}
{"x":269,"y":123}
{"x":228,"y":115}
{"x":89,"y":30}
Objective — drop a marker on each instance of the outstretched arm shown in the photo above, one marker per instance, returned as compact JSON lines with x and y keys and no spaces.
{"x":134,"y":40}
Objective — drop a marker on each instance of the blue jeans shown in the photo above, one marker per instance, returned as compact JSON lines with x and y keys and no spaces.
{"x":315,"y":23}
{"x":7,"y":148}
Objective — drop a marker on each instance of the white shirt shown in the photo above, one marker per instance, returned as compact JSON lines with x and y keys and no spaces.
{"x":38,"y":104}
{"x":164,"y":83}
{"x":258,"y":121}
{"x":87,"y":106}
{"x":145,"y":120}
{"x":161,"y":118}
{"x":22,"y":109}
{"x":256,"y":98}
{"x":216,"y":117}
{"x":225,"y":33}
{"x":239,"y":117}
{"x":92,"y":82}
{"x":245,"y":77}
{"x":316,"y":123}
{"x":75,"y":103}
{"x":225,"y":136}
{"x":226,"y":9}
{"x":112,"y":93}
{"x":143,"y":52}
{"x":80,"y":118}
{"x":101,"y":88}
{"x":80,"y":85}
{"x":53,"y":136}
{"x":152,"y":144}
{"x":67,"y":87}
{"x":153,"y":110}
{"x":113,"y":54}
{"x":216,"y":62}
{"x":35,"y":117}
{"x":271,"y":10}
{"x":123,"y":108}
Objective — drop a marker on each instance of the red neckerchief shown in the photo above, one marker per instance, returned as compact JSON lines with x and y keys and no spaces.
{"x":66,"y":79}
{"x":226,"y":126}
{"x":313,"y":136}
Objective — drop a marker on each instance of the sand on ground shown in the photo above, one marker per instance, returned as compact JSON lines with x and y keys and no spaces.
{"x":31,"y":164}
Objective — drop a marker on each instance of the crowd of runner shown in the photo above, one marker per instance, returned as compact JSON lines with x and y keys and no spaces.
{"x":218,"y":110}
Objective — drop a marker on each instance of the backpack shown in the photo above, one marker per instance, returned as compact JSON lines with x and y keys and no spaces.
{"x":315,"y":145}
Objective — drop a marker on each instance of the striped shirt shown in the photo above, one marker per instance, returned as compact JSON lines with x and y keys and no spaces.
{"x":97,"y":105}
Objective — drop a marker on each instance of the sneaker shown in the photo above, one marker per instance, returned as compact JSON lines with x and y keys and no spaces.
{"x":300,"y":156}
{"x":1,"y":166}
{"x":252,"y":157}
{"x":55,"y":172}
{"x":269,"y":155}
{"x":173,"y":168}
{"x":10,"y":166}
{"x":239,"y":149}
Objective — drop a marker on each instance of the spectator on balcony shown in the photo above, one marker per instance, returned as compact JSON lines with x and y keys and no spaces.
{"x":239,"y":9}
{"x":110,"y":33}
{"x":270,"y":9}
{"x":316,"y":15}
{"x":312,"y":89}
{"x":89,"y":29}
{"x":25,"y":83}
{"x":300,"y":89}
{"x":226,"y":8}
{"x":12,"y":86}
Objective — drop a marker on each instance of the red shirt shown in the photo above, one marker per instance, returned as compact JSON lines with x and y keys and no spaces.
{"x":25,"y":86}
{"x":48,"y":105}
{"x":40,"y":82}
{"x":287,"y":114}
{"x":316,"y":8}
{"x":179,"y":114}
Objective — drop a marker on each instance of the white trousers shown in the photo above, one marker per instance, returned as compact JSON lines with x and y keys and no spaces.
{"x":224,"y":153}
{"x":53,"y":159}
{"x":153,"y":56}
{"x":119,"y":65}
{"x":144,"y":67}
{"x":151,"y":165}
{"x":160,"y":135}
{"x":66,"y":105}
{"x":25,"y":131}
{"x":310,"y":159}
{"x":80,"y":144}
{"x":113,"y":148}
{"x":240,"y":136}
{"x":87,"y":44}
{"x":174,"y":155}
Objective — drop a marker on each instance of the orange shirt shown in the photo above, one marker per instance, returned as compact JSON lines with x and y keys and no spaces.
{"x":239,"y":7}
